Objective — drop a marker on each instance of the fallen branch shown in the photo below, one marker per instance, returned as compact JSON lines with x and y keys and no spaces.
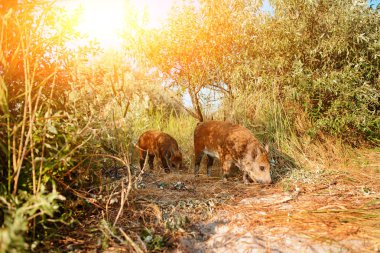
{"x":78,"y":194}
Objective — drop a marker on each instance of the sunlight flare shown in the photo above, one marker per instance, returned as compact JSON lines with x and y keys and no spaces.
{"x":104,"y":21}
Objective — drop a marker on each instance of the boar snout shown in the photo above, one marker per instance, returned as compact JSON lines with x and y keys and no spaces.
{"x":266,"y":182}
{"x":262,"y":181}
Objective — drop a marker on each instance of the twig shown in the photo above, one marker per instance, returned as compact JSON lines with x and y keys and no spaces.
{"x":76,"y":193}
{"x":112,"y":234}
{"x":108,"y":201}
{"x":73,"y":168}
{"x":122,"y":201}
{"x":129,"y":240}
{"x":124,"y":194}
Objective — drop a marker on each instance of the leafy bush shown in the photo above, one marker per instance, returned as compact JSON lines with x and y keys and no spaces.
{"x":341,"y":103}
{"x":19,"y":211}
{"x":325,"y":57}
{"x":38,"y":139}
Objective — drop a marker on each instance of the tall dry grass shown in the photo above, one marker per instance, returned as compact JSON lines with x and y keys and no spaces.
{"x":39,"y":142}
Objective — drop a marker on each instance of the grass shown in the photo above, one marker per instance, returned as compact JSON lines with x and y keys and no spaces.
{"x":180,"y":126}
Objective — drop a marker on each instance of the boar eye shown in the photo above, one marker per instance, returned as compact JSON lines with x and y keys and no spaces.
{"x":262,"y":168}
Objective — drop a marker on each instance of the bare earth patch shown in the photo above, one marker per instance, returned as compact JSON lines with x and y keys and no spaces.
{"x":177,"y":212}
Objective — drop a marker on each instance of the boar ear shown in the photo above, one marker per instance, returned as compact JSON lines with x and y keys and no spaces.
{"x":267,"y":147}
{"x":258,"y":151}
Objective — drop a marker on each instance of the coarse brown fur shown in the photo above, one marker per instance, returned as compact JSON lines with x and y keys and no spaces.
{"x":232,"y":144}
{"x":161,"y":145}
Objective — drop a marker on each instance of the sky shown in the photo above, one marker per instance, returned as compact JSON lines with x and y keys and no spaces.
{"x":266,"y":6}
{"x":375,"y":2}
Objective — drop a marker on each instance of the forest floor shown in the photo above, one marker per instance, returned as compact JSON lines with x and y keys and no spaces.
{"x":334,"y":210}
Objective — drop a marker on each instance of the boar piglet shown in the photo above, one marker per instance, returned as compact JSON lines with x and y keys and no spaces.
{"x":232,"y":144}
{"x":162,"y":146}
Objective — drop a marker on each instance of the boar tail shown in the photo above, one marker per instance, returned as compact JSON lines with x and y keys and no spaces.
{"x":137,"y":146}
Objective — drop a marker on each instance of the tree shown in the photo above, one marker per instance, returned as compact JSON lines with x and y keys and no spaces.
{"x":200,"y":46}
{"x":321,"y":56}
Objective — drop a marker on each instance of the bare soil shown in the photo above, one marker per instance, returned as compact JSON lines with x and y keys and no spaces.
{"x":337,"y":210}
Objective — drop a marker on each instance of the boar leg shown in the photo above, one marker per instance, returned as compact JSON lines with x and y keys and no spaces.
{"x":151,"y":160}
{"x":166,"y":164}
{"x":245,"y":178}
{"x":226,"y":167}
{"x":142,"y":159}
{"x":210,"y":161}
{"x":197,"y":163}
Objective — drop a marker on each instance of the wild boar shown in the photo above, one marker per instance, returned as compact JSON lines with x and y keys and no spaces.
{"x":162,"y":146}
{"x":232,"y":144}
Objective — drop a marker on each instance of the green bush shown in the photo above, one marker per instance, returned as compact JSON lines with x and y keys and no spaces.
{"x":341,"y":103}
{"x":324,"y":56}
{"x":20,"y":211}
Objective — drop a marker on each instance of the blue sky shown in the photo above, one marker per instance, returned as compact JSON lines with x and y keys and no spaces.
{"x":267,"y":7}
{"x":375,"y":2}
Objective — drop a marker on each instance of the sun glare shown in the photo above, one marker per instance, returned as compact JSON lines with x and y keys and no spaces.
{"x":104,"y":21}
{"x":156,"y":10}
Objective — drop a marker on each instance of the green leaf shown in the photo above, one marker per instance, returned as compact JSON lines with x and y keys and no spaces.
{"x":52,"y":129}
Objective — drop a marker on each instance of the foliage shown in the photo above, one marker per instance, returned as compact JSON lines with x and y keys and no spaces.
{"x":19,"y":211}
{"x":40,"y":135}
{"x":199,"y":47}
{"x":325,"y":57}
{"x":154,"y":242}
{"x":320,"y":57}
{"x":38,"y":31}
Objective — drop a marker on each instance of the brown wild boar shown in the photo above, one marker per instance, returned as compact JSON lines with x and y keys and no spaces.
{"x":232,"y":144}
{"x":162,"y":146}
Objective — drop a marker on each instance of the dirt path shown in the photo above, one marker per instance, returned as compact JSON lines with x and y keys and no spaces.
{"x":233,"y":217}
{"x":329,"y":211}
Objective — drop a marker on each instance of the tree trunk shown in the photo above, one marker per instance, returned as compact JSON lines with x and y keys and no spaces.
{"x":196,"y":104}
